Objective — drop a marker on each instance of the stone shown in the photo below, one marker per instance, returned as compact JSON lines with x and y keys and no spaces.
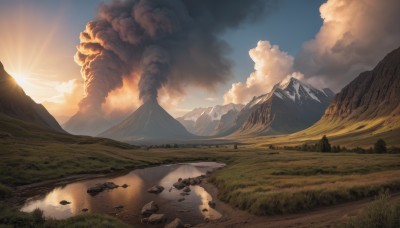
{"x":156,"y":189}
{"x":119,"y":207}
{"x":157,"y":218}
{"x":204,"y":210}
{"x":101,"y":187}
{"x":149,"y":208}
{"x":125,"y":186}
{"x":64,"y":202}
{"x":85,"y":209}
{"x":186,"y":189}
{"x":212,"y":204}
{"x":179,"y":185}
{"x":177,"y":223}
{"x":181,"y":199}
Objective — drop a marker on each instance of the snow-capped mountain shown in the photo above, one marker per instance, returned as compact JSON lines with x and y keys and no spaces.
{"x":291,"y":106}
{"x":206,"y":121}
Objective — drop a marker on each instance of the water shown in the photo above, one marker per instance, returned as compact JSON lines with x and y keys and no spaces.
{"x":134,"y":197}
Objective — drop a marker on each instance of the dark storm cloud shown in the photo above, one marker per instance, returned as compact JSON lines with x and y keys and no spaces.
{"x":172,"y":43}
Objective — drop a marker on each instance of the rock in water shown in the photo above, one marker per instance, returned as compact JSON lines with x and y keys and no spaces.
{"x":157,"y":218}
{"x":156,"y":189}
{"x":64,"y":202}
{"x":149,"y":208}
{"x":177,"y":223}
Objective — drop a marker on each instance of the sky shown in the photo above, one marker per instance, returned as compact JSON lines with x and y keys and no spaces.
{"x":297,"y":38}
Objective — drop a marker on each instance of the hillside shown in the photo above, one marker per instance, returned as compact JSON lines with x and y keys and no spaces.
{"x":15,"y":103}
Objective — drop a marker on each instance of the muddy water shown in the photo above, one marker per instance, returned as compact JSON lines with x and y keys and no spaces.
{"x":134,"y":197}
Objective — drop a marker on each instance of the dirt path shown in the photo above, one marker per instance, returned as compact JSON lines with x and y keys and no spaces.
{"x":322,"y":217}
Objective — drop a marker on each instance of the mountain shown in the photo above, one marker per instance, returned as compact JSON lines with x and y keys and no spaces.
{"x":366,"y":109}
{"x":207,"y":121}
{"x":149,"y":122}
{"x":291,"y":106}
{"x":87,"y":123}
{"x":16,"y":104}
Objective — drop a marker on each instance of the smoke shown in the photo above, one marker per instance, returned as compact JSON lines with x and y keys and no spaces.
{"x":168,"y":44}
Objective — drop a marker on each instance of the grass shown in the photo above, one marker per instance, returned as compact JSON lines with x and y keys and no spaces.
{"x":258,"y":180}
{"x":9,"y":218}
{"x":380,"y":213}
{"x":290,"y":182}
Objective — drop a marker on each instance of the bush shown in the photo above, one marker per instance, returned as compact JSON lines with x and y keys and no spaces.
{"x":380,"y":146}
{"x":379,"y":213}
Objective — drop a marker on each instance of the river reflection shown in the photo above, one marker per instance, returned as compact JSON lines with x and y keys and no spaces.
{"x":190,"y":210}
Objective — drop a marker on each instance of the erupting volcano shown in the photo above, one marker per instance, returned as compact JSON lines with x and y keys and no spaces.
{"x":149,"y":122}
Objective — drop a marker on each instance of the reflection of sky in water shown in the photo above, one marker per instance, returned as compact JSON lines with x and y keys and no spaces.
{"x":133,"y":197}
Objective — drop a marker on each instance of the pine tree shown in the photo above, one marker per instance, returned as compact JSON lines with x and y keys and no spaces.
{"x":323,"y":145}
{"x":380,"y":146}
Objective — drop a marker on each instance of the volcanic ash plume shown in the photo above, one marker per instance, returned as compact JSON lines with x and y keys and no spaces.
{"x":167,"y":43}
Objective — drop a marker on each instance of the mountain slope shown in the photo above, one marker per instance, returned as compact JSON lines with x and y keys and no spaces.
{"x":368,"y":106}
{"x":207,"y":121}
{"x":16,"y":104}
{"x":291,"y":106}
{"x":149,"y":122}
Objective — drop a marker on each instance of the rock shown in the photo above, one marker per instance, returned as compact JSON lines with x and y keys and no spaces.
{"x":156,"y":189}
{"x":110,"y":185}
{"x":186,"y":189}
{"x":177,"y":223}
{"x":125,"y":186}
{"x":119,"y":207}
{"x":180,"y":179}
{"x":179,"y":185}
{"x":212,"y":204}
{"x":64,"y":202}
{"x":204,"y":210}
{"x":184,"y":193}
{"x":206,"y":219}
{"x":181,"y":199}
{"x":187,"y":225}
{"x":101,"y":187}
{"x":157,"y":218}
{"x":150,"y":208}
{"x":85,"y":209}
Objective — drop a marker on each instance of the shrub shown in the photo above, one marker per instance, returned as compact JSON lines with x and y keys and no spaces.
{"x":379,"y":213}
{"x":380,"y":146}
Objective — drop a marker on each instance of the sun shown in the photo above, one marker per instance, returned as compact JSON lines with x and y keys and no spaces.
{"x":21,"y":79}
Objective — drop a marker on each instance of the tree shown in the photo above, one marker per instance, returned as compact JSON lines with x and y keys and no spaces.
{"x":235,"y":146}
{"x":380,"y":146}
{"x":323,"y":145}
{"x":304,"y":147}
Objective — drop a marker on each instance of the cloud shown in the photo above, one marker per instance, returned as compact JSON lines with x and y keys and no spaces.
{"x":271,"y":65}
{"x":355,"y":35}
{"x":65,"y":104}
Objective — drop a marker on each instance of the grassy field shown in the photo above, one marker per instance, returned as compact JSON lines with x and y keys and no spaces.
{"x":264,"y":182}
{"x":256,"y":179}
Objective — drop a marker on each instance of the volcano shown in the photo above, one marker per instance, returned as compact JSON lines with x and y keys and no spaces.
{"x":149,"y":122}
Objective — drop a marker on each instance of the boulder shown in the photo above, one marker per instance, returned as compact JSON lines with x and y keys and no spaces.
{"x":186,"y":189}
{"x":101,"y":187}
{"x":156,"y":189}
{"x":149,"y":208}
{"x":179,"y":185}
{"x":85,"y":210}
{"x":125,"y":186}
{"x":157,"y":218}
{"x":177,"y":223}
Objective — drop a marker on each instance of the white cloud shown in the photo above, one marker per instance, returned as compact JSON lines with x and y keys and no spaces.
{"x":271,"y":66}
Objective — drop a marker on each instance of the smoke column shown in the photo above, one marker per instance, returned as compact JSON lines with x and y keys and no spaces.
{"x":172,"y":43}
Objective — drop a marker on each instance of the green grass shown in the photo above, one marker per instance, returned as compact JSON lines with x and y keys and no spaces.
{"x":10,"y":218}
{"x":380,"y":213}
{"x":290,"y":182}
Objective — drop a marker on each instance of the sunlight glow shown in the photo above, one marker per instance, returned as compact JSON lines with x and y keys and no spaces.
{"x":21,"y":79}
